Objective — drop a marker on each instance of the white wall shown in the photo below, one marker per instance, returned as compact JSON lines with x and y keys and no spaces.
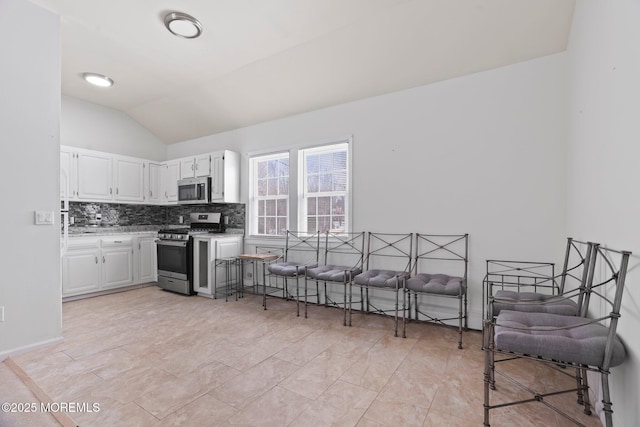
{"x":603,"y":166}
{"x":482,"y":154}
{"x":29,"y":121}
{"x":87,"y":125}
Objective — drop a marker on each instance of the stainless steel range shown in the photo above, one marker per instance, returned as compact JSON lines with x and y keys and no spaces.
{"x":175,"y":251}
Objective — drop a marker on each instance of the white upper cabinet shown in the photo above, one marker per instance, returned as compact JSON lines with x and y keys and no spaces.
{"x":170,"y":176}
{"x":94,"y":176}
{"x":187,"y":168}
{"x":225,"y":177}
{"x":154,"y":183}
{"x":129,"y":179}
{"x":203,"y":165}
{"x":195,"y":167}
{"x":68,"y":174}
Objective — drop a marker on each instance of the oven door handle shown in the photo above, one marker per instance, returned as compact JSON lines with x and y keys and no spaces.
{"x":172,"y":243}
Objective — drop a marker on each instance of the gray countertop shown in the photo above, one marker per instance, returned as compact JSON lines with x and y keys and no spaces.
{"x":132,"y":229}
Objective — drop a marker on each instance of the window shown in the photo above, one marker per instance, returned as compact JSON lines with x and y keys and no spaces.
{"x":321,"y":176}
{"x":270,"y":194}
{"x":324,"y":188}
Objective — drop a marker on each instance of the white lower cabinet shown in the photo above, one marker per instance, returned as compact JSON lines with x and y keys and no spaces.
{"x":209,"y":270}
{"x":81,"y":267}
{"x":117,"y":262}
{"x":94,"y":264}
{"x":147,"y":260}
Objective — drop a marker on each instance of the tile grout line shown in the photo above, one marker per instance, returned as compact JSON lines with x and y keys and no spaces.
{"x":61,"y":417}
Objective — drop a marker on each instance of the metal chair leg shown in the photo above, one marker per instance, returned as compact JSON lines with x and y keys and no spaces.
{"x":404,"y":311}
{"x":460,"y":322}
{"x":606,"y":399}
{"x":350,"y":300}
{"x":487,"y":372}
{"x":395,"y":320}
{"x":344,"y":301}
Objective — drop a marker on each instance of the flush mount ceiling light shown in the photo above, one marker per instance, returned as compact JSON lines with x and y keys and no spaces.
{"x":183,"y":25}
{"x":97,"y":79}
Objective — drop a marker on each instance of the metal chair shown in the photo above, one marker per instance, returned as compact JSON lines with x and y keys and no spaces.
{"x":387,"y":267}
{"x":534,"y":287}
{"x":301,"y":252}
{"x":587,"y":342}
{"x":343,"y":257}
{"x":439,"y":271}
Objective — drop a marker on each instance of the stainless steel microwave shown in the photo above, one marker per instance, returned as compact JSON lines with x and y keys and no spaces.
{"x":193,"y":191}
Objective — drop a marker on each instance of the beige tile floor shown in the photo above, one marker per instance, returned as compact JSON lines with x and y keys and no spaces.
{"x":152,"y":358}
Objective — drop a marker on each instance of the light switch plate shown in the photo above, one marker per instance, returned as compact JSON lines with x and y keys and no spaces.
{"x":2,"y":314}
{"x":44,"y":217}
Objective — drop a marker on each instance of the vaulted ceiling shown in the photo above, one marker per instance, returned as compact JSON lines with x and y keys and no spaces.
{"x":259,"y":60}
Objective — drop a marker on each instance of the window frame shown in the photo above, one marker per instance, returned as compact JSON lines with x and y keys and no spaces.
{"x":296,"y":218}
{"x":303,"y":194}
{"x":254,"y":198}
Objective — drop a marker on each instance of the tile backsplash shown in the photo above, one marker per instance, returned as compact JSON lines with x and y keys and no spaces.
{"x":115,"y":214}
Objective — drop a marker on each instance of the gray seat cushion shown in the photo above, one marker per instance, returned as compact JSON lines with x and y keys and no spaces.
{"x":379,"y":278}
{"x":537,"y":303}
{"x":440,"y":284}
{"x":578,"y":344}
{"x":332,"y":273}
{"x":288,"y":269}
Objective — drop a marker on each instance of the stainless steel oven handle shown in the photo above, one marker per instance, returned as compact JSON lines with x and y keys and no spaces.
{"x":172,"y":243}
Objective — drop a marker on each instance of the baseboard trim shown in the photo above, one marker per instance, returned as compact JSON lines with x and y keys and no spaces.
{"x":31,"y":347}
{"x":108,"y":291}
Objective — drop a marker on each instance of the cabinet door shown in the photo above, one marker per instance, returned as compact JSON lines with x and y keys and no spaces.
{"x":203,"y":166}
{"x":117,"y":267}
{"x":155,"y":184}
{"x":129,"y":180}
{"x":68,"y":175}
{"x":225,"y":177}
{"x":147,"y":257}
{"x":94,"y":176}
{"x":225,"y":248}
{"x":228,"y":247}
{"x":187,"y":168}
{"x":217,"y":177}
{"x":170,"y":181}
{"x":202,"y":257}
{"x":80,"y":271}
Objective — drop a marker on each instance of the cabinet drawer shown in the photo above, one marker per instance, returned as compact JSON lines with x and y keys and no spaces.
{"x":76,"y":243}
{"x":110,"y":242}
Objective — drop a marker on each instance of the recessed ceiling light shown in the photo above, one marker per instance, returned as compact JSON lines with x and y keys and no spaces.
{"x":97,"y":79}
{"x":183,"y":25}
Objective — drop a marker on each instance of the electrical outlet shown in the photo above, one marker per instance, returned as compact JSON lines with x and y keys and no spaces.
{"x":2,"y":314}
{"x":249,"y":275}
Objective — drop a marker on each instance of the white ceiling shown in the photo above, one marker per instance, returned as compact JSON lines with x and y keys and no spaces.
{"x":259,"y":60}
